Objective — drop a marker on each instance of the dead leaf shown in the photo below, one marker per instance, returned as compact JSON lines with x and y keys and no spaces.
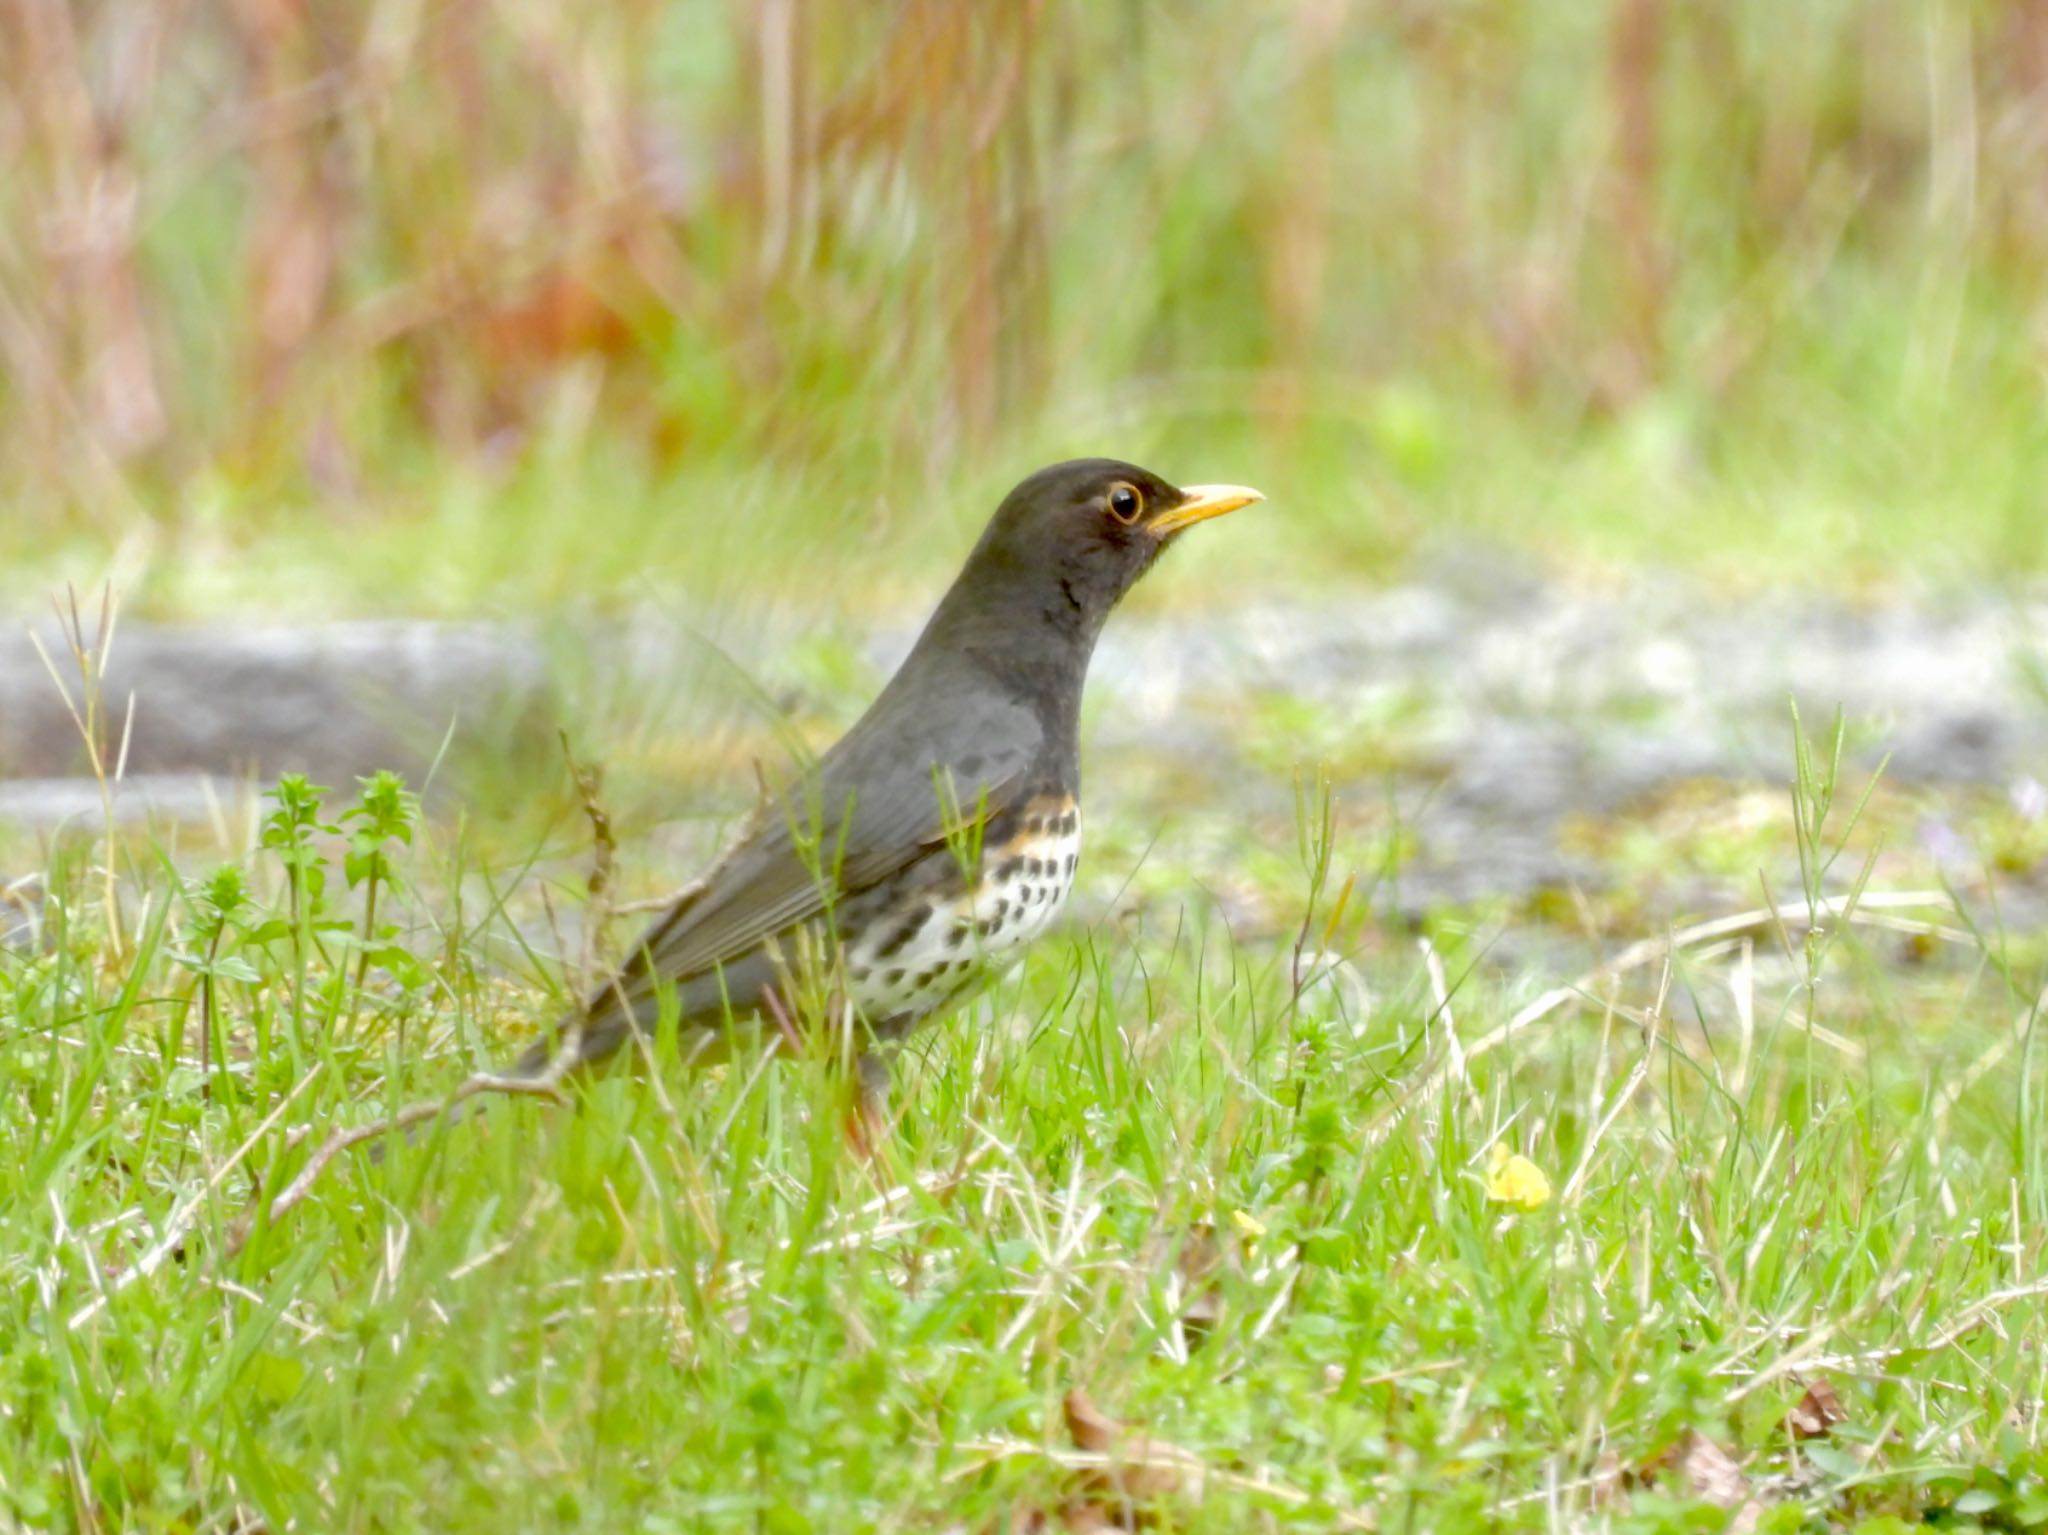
{"x":1141,"y":1470}
{"x":1710,"y":1472}
{"x":1195,"y":1266}
{"x":1084,"y":1518}
{"x":1200,"y":1263}
{"x":1817,"y":1412}
{"x":1609,"y":1479}
{"x":1073,"y":1518}
{"x":1706,"y":1471}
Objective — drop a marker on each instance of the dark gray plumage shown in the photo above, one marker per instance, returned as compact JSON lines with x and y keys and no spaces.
{"x":975,"y":737}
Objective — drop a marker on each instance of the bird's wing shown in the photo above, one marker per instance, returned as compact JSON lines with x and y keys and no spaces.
{"x":781,"y":875}
{"x":821,"y":840}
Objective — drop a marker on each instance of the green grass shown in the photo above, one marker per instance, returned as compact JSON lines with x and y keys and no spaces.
{"x":1835,"y":469}
{"x":1248,"y":1218}
{"x":1837,"y":473}
{"x":1420,"y":280}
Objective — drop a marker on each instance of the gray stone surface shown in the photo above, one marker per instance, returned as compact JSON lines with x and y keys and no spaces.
{"x":1524,"y":705}
{"x":1517,"y":704}
{"x":136,"y":798}
{"x":334,"y":699}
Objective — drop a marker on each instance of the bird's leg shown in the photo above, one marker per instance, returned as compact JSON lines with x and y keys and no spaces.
{"x":868,"y":1121}
{"x":867,"y":1110}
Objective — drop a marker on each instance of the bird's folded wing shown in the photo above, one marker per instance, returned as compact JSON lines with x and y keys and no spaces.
{"x":785,"y":873}
{"x":798,"y":856}
{"x":818,"y":844}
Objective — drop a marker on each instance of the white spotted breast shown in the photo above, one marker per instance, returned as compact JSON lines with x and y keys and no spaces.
{"x":914,"y":961}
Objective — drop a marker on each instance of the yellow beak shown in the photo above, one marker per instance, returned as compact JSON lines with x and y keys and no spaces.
{"x":1199,"y":503}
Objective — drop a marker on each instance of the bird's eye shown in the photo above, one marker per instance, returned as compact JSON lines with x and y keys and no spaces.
{"x":1125,"y":503}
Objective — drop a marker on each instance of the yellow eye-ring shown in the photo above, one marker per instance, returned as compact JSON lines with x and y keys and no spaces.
{"x":1125,"y":502}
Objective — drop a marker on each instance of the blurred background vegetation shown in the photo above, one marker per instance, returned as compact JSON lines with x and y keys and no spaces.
{"x":496,"y":304}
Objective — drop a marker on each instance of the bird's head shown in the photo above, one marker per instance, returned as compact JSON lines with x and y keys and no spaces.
{"x":1069,"y":541}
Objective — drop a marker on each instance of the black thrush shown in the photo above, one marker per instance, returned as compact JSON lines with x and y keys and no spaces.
{"x":940,"y":835}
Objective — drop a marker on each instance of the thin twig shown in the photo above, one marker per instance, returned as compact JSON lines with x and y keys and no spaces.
{"x":1649,"y":950}
{"x":1635,"y":957}
{"x":1983,"y":1307}
{"x":589,"y":780}
{"x":656,"y":902}
{"x":547,"y":1085}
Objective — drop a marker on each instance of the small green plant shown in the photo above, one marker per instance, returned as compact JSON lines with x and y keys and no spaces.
{"x":220,"y":907}
{"x":298,"y":834}
{"x":292,"y":833}
{"x":2009,"y":1492}
{"x":381,"y":821}
{"x":289,"y":832}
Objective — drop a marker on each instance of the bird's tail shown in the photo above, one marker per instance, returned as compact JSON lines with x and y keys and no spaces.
{"x":584,"y":1037}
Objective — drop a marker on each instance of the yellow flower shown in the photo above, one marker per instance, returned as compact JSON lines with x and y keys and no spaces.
{"x":1248,"y":1223}
{"x":1514,"y":1180}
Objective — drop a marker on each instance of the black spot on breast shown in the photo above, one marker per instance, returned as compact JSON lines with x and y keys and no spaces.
{"x":910,"y":928}
{"x":1009,"y":869}
{"x":1070,"y":822}
{"x":893,"y":978}
{"x":959,"y":934}
{"x":1070,"y":865}
{"x":1024,"y":896}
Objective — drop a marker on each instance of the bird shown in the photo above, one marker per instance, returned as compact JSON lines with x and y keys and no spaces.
{"x":916,"y":859}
